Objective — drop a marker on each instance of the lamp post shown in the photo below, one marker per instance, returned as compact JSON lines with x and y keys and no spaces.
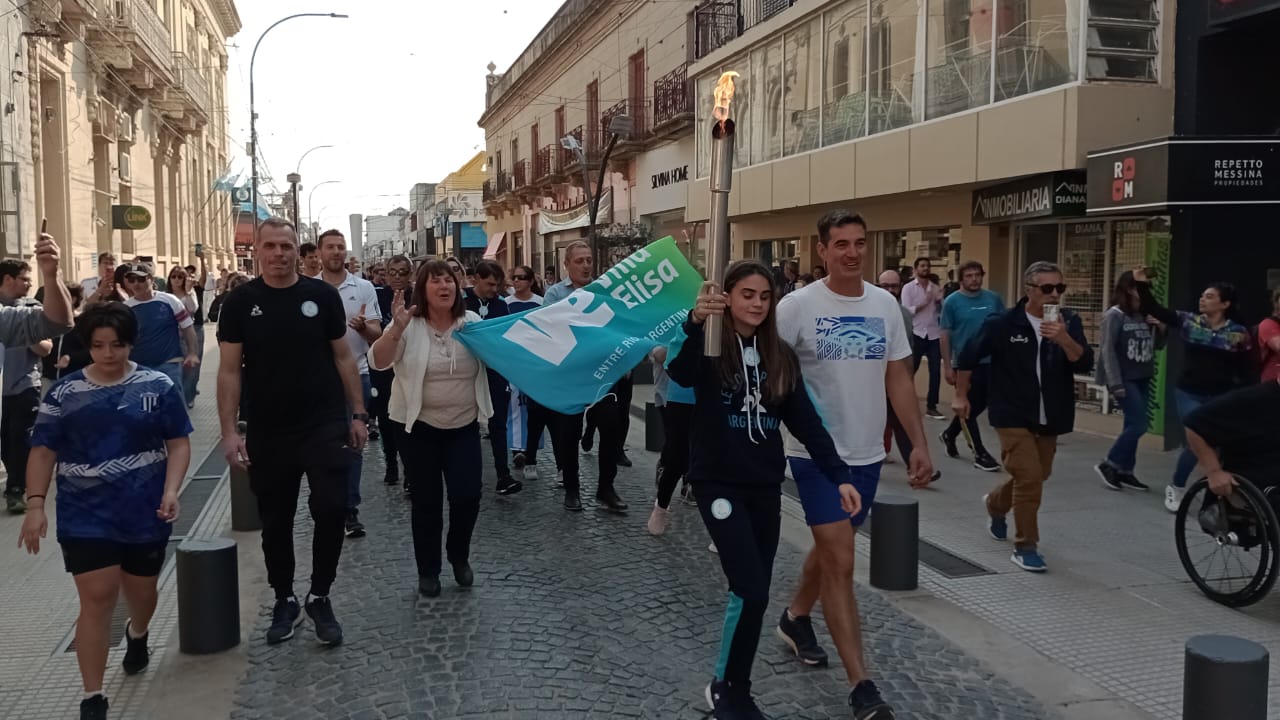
{"x":295,"y":178}
{"x":253,"y":113}
{"x":312,"y":194}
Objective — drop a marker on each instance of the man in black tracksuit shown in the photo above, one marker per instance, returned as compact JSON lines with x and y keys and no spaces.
{"x":1034,"y":361}
{"x":484,"y":300}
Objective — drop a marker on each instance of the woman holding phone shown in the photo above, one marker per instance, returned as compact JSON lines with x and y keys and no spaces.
{"x":737,"y":460}
{"x":1218,"y":358}
{"x":180,"y":286}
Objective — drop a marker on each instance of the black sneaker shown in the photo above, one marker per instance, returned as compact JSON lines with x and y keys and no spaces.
{"x":984,"y":462}
{"x":1133,"y":483}
{"x":393,"y":475}
{"x":136,"y":654}
{"x":328,"y":631}
{"x":934,"y":414}
{"x":949,"y":442}
{"x":94,"y":708}
{"x":1109,"y":475}
{"x":355,"y":528}
{"x":508,"y":485}
{"x":429,"y":586}
{"x":732,"y":702}
{"x":623,"y":460}
{"x":610,"y":501}
{"x":373,"y":433}
{"x":285,"y":616}
{"x":14,"y":503}
{"x":798,"y":635}
{"x":463,"y":575}
{"x":572,"y":501}
{"x":867,"y":704}
{"x":587,"y":442}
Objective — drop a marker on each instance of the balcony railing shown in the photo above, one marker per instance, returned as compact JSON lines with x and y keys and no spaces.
{"x":672,"y":100}
{"x":544,"y":162}
{"x":503,"y":184}
{"x":606,"y":118}
{"x":138,"y":17}
{"x":190,"y":81}
{"x":717,"y":22}
{"x":486,"y":191}
{"x":520,"y":174}
{"x":569,"y":158}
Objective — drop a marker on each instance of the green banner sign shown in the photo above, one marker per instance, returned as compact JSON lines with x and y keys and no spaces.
{"x":130,"y":217}
{"x":1157,"y":258}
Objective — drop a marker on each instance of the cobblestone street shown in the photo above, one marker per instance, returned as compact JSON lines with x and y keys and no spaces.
{"x":574,"y":616}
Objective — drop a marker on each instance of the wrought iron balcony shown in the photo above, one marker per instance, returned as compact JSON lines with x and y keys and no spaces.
{"x":503,"y":183}
{"x":569,"y":158}
{"x":672,"y":101}
{"x":606,"y":119}
{"x":716,"y":23}
{"x":486,"y":191}
{"x":545,"y":163}
{"x":192,"y":83}
{"x":143,"y":33}
{"x":520,"y":174}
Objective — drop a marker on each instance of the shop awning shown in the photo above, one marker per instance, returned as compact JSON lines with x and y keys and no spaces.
{"x":495,"y":245}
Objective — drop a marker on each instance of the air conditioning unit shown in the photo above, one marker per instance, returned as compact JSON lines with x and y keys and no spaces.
{"x":125,"y":168}
{"x":124,"y":130}
{"x":105,"y":119}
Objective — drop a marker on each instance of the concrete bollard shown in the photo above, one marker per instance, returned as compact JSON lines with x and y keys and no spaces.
{"x":654,"y":433}
{"x":1224,"y":677}
{"x":895,"y":537}
{"x":208,"y":596}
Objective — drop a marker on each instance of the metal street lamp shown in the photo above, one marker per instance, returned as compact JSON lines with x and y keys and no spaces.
{"x":619,"y":126}
{"x":312,"y":194}
{"x":253,"y":113}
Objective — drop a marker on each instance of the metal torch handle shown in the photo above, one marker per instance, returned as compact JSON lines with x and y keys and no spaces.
{"x":718,"y":241}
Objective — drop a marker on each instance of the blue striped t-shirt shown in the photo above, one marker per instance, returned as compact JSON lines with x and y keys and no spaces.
{"x":110,"y":443}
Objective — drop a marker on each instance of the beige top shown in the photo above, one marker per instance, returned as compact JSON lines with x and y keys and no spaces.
{"x":449,"y":387}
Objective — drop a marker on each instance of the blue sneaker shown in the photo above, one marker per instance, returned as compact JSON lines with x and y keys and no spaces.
{"x":997,"y":527}
{"x":1029,"y":560}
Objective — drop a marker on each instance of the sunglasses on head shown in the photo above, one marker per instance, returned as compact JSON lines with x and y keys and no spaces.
{"x":1049,"y":288}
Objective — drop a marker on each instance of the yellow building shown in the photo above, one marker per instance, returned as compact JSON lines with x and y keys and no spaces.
{"x":119,"y":103}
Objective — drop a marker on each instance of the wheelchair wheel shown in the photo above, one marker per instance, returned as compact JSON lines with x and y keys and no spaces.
{"x":1228,"y":545}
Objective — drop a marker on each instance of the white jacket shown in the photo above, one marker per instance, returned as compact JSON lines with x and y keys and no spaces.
{"x":410,"y":365}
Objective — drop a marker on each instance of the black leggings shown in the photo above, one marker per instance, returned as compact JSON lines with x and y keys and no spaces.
{"x":606,"y":417}
{"x":390,"y":429}
{"x":674,"y":461}
{"x":540,"y":420}
{"x":277,"y":464}
{"x":746,"y":538}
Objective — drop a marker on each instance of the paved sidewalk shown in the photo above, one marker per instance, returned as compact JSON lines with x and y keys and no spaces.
{"x":1115,"y":607}
{"x":39,"y":678}
{"x":575,"y":616}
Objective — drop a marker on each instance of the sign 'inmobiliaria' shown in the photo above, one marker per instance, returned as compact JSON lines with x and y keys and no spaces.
{"x":1172,"y":172}
{"x":1056,"y":194}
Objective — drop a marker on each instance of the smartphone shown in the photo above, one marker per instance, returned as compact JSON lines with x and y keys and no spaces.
{"x":199,"y":248}
{"x":44,"y":225}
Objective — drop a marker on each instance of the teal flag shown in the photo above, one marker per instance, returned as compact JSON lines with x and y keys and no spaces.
{"x":566,"y":356}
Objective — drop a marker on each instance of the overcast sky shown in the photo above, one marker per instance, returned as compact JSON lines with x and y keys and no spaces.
{"x":397,"y":88}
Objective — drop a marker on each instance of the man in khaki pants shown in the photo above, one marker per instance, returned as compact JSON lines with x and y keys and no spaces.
{"x":1036,"y":349}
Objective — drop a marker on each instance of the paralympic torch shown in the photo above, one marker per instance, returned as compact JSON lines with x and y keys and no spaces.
{"x":721,"y":181}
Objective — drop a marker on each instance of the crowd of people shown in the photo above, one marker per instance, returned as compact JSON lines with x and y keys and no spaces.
{"x":316,"y":359}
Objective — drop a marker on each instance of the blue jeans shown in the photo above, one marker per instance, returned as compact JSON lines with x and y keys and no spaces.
{"x":1123,"y":455}
{"x":357,"y":467}
{"x":1187,"y":403}
{"x":191,"y":376}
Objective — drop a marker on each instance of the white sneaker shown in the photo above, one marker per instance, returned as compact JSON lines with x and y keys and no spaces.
{"x":1173,"y":497}
{"x":530,"y":472}
{"x":712,"y":548}
{"x":658,"y":519}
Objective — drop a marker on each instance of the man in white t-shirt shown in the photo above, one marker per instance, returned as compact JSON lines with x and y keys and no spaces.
{"x":854,"y":353}
{"x":364,"y":325}
{"x":104,"y":279}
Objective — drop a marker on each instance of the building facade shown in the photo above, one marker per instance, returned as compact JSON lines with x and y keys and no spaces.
{"x":550,"y":118}
{"x":118,"y":105}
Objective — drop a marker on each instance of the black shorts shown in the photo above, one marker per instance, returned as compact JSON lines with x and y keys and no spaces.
{"x":86,"y":555}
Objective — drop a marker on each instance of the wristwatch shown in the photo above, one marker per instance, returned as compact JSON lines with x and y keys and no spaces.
{"x":362,"y":417}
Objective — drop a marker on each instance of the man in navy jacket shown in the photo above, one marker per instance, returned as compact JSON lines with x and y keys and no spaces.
{"x":1034,"y":361}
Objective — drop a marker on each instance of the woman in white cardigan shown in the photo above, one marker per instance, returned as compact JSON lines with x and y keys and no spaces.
{"x":441,"y":396}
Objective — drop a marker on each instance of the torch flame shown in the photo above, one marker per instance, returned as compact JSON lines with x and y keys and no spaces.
{"x":723,"y":95}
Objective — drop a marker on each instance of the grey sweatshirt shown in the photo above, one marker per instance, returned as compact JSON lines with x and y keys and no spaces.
{"x":1126,"y":348}
{"x":21,"y":326}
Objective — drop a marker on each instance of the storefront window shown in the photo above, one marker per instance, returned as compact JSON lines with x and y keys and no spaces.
{"x":765,"y":119}
{"x":894,"y":65}
{"x":703,"y":102}
{"x":803,"y":75}
{"x":1033,"y":46}
{"x":893,"y":250}
{"x":772,"y":252}
{"x":959,"y":73}
{"x":844,"y":86}
{"x":1084,"y":270}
